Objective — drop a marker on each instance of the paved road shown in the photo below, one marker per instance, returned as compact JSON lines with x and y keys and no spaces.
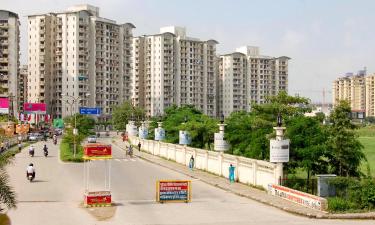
{"x":56,"y":195}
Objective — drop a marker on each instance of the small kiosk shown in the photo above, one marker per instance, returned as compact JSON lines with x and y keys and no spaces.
{"x":94,"y":152}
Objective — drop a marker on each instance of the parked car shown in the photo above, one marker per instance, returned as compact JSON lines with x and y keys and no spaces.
{"x":35,"y":137}
{"x":91,"y":139}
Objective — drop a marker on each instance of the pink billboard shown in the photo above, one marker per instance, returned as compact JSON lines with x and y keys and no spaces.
{"x":4,"y":105}
{"x":35,"y":108}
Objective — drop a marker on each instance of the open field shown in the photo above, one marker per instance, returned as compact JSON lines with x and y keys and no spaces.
{"x":369,"y":150}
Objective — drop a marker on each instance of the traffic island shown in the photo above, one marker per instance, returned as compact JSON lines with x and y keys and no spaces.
{"x":101,"y":213}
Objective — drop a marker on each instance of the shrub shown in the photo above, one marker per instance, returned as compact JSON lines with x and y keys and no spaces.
{"x":338,"y":204}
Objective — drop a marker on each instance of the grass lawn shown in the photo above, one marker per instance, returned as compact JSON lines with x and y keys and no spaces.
{"x":66,"y":153}
{"x":369,"y":150}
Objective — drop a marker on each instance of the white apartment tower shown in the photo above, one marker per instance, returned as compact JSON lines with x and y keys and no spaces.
{"x":370,"y":95}
{"x":247,"y":77}
{"x":80,"y":54}
{"x":170,"y":68}
{"x":9,"y":56}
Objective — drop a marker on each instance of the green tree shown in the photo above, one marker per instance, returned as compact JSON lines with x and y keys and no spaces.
{"x":85,"y":124}
{"x":345,"y":153}
{"x":123,"y":113}
{"x":201,"y":129}
{"x":308,"y":145}
{"x":173,"y":118}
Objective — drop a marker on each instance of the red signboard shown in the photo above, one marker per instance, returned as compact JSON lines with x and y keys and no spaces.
{"x":35,"y":108}
{"x":97,"y":150}
{"x":99,"y":198}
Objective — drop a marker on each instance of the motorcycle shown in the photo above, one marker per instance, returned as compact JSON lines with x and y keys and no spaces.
{"x":55,"y":142}
{"x":45,"y":153}
{"x":30,"y":177}
{"x":31,"y":153}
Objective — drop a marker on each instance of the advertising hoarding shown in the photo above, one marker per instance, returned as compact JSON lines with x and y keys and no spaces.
{"x":143,"y":132}
{"x":98,"y":198}
{"x":184,"y":138}
{"x":279,"y":151}
{"x":35,"y":108}
{"x":173,"y":191}
{"x":97,"y":151}
{"x":159,"y":134}
{"x":4,"y":105}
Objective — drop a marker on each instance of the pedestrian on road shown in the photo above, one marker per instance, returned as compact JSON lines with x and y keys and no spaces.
{"x":191,"y":163}
{"x":231,"y":173}
{"x":139,"y":146}
{"x":19,"y":146}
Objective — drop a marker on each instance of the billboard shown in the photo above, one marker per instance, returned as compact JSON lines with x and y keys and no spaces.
{"x":35,"y":108}
{"x":143,"y":132}
{"x":184,"y":138}
{"x":159,"y":134}
{"x":97,"y":151}
{"x":4,"y":105}
{"x":279,"y":151}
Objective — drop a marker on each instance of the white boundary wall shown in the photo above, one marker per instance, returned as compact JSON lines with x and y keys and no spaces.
{"x":248,"y":171}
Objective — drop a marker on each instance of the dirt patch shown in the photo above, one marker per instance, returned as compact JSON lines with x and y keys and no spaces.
{"x":101,"y":213}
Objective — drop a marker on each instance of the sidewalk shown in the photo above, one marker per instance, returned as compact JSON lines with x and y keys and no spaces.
{"x":244,"y":190}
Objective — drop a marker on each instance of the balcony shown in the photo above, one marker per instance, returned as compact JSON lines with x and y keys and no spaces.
{"x":4,"y":25}
{"x":42,"y":31}
{"x":4,"y":60}
{"x":58,"y":52}
{"x":4,"y":34}
{"x":3,"y":68}
{"x":4,"y":43}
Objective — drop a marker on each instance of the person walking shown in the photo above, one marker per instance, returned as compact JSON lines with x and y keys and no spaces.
{"x":191,"y":163}
{"x":231,"y":173}
{"x":139,"y":146}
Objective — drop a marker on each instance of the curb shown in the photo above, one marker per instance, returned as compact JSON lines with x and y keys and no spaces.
{"x":320,"y":215}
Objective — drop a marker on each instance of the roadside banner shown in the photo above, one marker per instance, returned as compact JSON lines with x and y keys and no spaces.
{"x":4,"y":105}
{"x":173,"y":191}
{"x":35,"y":108}
{"x":97,"y":151}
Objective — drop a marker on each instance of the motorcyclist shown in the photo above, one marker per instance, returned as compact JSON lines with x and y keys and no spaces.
{"x":45,"y":148}
{"x":54,"y":139}
{"x":30,"y":170}
{"x":31,"y":150}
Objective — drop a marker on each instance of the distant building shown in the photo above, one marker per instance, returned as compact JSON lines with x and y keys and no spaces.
{"x":370,"y":95}
{"x":9,"y":56}
{"x":22,"y":87}
{"x":351,"y":87}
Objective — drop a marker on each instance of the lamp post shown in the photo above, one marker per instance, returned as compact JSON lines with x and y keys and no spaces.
{"x":75,"y":101}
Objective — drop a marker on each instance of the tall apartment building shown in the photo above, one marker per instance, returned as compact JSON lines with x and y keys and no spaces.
{"x":80,"y":54}
{"x":370,"y":95}
{"x":351,"y":87}
{"x":9,"y":56}
{"x":171,"y":68}
{"x":247,"y":77}
{"x":22,"y":87}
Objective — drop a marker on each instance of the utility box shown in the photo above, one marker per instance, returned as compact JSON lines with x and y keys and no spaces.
{"x":325,"y":189}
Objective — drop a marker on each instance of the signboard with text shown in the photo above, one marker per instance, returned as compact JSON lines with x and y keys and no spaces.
{"x":34,"y":108}
{"x":159,"y":134}
{"x":279,"y":151}
{"x":219,"y":143}
{"x":89,"y":111}
{"x":184,"y":138}
{"x":98,"y":198}
{"x":173,"y":191}
{"x":97,"y":151}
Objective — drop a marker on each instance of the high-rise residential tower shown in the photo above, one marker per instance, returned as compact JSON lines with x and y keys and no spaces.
{"x":9,"y":56}
{"x":246,"y":77}
{"x":76,"y":53}
{"x":171,"y":68}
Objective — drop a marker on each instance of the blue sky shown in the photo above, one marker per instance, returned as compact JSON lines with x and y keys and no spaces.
{"x":324,"y":38}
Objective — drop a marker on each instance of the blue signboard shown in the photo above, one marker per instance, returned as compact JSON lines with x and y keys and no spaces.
{"x":143,"y":132}
{"x":89,"y":111}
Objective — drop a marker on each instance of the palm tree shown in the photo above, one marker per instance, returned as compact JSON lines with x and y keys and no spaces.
{"x":7,"y":194}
